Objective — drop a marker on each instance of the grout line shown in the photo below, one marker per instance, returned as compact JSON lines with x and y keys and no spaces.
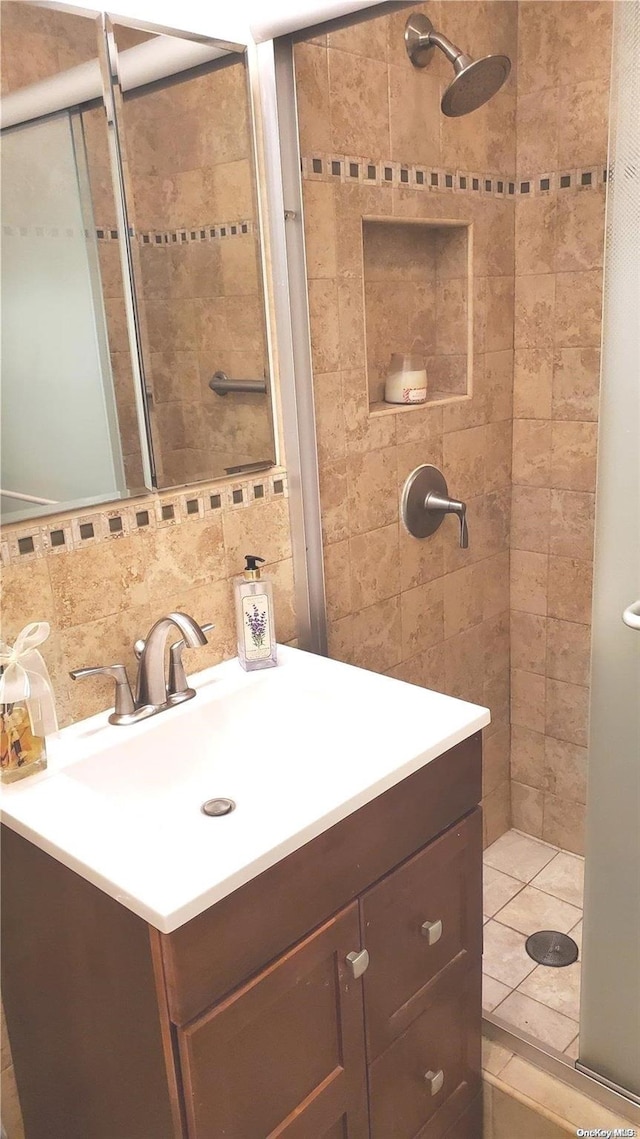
{"x":537,"y":1002}
{"x":540,"y":841}
{"x":549,"y":895}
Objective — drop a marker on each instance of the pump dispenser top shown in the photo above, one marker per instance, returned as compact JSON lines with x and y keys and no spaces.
{"x":252,"y":569}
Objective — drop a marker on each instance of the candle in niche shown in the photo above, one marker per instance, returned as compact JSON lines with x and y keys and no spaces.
{"x":406,"y":379}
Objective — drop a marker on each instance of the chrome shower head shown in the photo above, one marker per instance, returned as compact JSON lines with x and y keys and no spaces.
{"x":475,"y":81}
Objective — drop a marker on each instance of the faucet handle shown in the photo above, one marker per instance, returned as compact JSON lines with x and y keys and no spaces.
{"x":124,"y":705}
{"x":178,"y":685}
{"x":440,"y":502}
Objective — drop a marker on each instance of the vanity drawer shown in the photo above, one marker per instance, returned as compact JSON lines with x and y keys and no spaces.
{"x":430,"y":1075}
{"x":420,"y":924}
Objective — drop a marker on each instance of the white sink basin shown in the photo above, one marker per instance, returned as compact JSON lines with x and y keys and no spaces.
{"x":297,"y":747}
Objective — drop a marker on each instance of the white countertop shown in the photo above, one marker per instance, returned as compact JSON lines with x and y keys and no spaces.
{"x":298,"y":747}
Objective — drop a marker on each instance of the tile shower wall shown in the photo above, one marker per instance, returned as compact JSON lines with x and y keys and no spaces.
{"x":427,"y":612}
{"x":562,"y":116}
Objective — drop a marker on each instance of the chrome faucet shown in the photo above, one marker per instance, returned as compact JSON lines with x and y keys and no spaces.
{"x":152,"y":685}
{"x":153,"y":693}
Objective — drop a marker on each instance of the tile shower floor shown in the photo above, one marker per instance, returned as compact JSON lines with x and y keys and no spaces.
{"x":530,"y":885}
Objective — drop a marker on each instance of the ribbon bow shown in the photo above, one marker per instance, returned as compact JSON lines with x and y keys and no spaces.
{"x":25,"y":677}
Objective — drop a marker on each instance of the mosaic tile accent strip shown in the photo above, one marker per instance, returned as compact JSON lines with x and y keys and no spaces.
{"x":27,"y":541}
{"x":398,"y":175}
{"x":219,"y":231}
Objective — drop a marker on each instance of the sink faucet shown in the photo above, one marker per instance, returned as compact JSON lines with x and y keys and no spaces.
{"x":153,"y":693}
{"x":152,"y":684}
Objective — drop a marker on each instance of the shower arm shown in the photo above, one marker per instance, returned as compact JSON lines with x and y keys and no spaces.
{"x":453,"y":53}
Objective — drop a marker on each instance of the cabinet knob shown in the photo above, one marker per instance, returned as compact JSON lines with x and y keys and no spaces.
{"x":432,"y":930}
{"x":434,"y":1080}
{"x":358,"y":962}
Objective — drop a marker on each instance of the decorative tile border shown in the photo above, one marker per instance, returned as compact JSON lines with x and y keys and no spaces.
{"x":26,"y":542}
{"x":398,"y":175}
{"x":221,"y":230}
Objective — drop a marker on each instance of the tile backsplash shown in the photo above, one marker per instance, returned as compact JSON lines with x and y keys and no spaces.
{"x":102,"y":588}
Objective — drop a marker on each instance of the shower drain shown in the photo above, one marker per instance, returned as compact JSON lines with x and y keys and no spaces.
{"x":548,"y":947}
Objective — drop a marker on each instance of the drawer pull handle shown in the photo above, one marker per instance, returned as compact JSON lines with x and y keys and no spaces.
{"x":434,"y":1080}
{"x":358,"y":962}
{"x":432,"y":930}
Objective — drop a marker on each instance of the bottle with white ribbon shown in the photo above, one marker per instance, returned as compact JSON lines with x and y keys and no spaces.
{"x":27,"y":705}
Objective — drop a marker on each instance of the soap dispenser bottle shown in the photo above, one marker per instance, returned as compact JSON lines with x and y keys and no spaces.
{"x":254,"y":617}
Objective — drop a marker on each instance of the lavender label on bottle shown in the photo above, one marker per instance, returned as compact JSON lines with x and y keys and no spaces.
{"x":257,"y":634}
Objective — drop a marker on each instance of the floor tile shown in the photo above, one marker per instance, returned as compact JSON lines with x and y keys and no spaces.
{"x":558,"y":989}
{"x":532,"y":910}
{"x":518,"y":856}
{"x":511,"y":1118}
{"x":558,"y":1097}
{"x":494,"y":1056}
{"x":504,"y":957}
{"x":492,"y":992}
{"x":544,"y":1024}
{"x":497,"y":890}
{"x":563,"y":877}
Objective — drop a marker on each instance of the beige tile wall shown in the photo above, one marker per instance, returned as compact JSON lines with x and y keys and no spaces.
{"x":426,"y":611}
{"x":563,"y":73}
{"x":37,"y":44}
{"x":98,"y":600}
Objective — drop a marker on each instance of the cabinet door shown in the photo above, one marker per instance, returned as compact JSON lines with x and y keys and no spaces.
{"x":421,"y":925}
{"x":284,"y":1055}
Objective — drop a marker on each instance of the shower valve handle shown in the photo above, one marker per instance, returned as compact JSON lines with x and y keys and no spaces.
{"x":438,"y":502}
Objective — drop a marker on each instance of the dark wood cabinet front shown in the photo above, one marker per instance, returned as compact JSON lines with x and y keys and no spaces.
{"x":247,"y":1022}
{"x":420,"y":924}
{"x":425,"y":1080}
{"x":284,"y":1055}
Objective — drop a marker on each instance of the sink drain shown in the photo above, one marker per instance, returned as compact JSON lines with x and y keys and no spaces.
{"x":217,"y":807}
{"x":548,"y":947}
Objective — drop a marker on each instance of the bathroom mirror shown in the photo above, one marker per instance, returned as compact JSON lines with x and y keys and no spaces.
{"x":89,"y":414}
{"x":187,"y":144}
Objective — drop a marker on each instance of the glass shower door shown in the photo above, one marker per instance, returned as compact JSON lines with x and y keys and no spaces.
{"x":610,"y":1010}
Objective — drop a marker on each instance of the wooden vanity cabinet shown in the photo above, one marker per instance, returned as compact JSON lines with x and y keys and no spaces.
{"x":248,"y":1022}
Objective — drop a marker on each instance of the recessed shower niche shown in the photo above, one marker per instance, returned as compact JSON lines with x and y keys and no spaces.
{"x":418,"y":301}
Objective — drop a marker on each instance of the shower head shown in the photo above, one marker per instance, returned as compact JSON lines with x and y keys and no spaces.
{"x":475,"y":81}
